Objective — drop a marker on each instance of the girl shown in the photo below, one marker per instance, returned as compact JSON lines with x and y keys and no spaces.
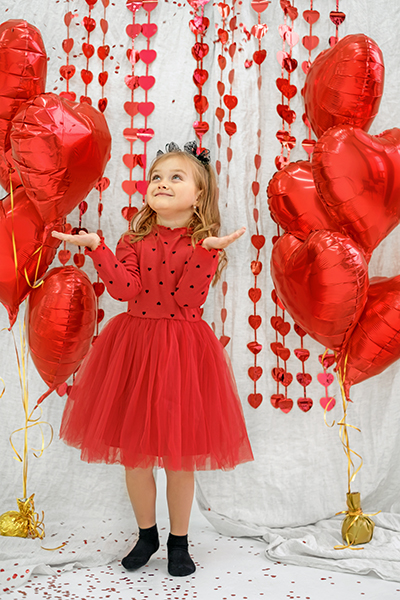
{"x":156,"y":388}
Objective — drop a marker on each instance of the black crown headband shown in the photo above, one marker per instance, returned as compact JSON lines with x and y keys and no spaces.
{"x":190,"y":148}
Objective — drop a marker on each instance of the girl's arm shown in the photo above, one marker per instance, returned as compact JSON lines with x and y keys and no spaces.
{"x":120,"y":272}
{"x":192,"y":288}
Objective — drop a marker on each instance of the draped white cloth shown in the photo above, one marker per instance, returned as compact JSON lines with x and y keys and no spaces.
{"x":298,"y":481}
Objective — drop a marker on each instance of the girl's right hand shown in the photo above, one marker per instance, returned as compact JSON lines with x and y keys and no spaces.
{"x":89,"y":240}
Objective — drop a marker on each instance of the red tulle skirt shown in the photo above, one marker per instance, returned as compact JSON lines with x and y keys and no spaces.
{"x":157,"y":392}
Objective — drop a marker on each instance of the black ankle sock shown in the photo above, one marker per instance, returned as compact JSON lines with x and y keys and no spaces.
{"x":147,"y":544}
{"x":179,"y":562}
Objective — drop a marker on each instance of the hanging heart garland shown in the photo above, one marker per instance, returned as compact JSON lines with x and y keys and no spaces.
{"x":199,"y":25}
{"x":310,"y":42}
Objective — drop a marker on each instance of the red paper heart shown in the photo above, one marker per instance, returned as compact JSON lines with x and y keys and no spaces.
{"x":254,"y":400}
{"x":88,"y":50}
{"x":149,"y":29}
{"x":275,"y":346}
{"x":142,"y":186}
{"x":304,"y":404}
{"x":322,"y":283}
{"x":255,"y":373}
{"x":200,"y":76}
{"x":299,"y":330}
{"x":294,"y":202}
{"x":254,"y":347}
{"x":89,"y":24}
{"x":276,"y":322}
{"x":286,"y":379}
{"x":146,"y":82}
{"x":375,"y":343}
{"x":129,"y":187}
{"x":354,"y":96}
{"x":259,"y":56}
{"x":311,"y":16}
{"x":302,"y":354}
{"x":276,"y":399}
{"x":64,"y":256}
{"x":310,"y":42}
{"x":286,"y":405}
{"x":325,"y":378}
{"x":133,"y":30}
{"x":102,"y":184}
{"x":219,"y":113}
{"x":79,"y":260}
{"x":61,"y":150}
{"x":283,"y":353}
{"x":365,"y":194}
{"x":254,"y":294}
{"x":103,"y":77}
{"x":128,"y":212}
{"x":289,"y":64}
{"x":132,"y":81}
{"x":200,"y":103}
{"x":102,"y":104}
{"x":103,"y":52}
{"x":255,"y":321}
{"x":145,"y":108}
{"x":304,"y":379}
{"x":67,"y":45}
{"x":145,"y":134}
{"x":87,"y":76}
{"x":230,"y":128}
{"x":148,"y":56}
{"x":67,"y":71}
{"x":327,"y":361}
{"x":131,"y":108}
{"x":327,"y":402}
{"x":260,"y":5}
{"x":258,"y":241}
{"x":199,"y":50}
{"x":99,"y":288}
{"x":200,"y":127}
{"x":337,"y":17}
{"x":60,"y":322}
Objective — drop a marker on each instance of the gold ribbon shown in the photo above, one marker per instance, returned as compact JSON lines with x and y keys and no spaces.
{"x":22,"y":523}
{"x":357,"y":527}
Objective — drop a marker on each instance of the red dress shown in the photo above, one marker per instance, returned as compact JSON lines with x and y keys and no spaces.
{"x":156,"y":388}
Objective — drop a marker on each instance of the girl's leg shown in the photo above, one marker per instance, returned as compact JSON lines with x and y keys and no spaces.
{"x":142,"y":493}
{"x":180,"y":491}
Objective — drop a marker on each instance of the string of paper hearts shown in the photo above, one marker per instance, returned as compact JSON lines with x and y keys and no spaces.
{"x":257,"y":240}
{"x":132,"y":134}
{"x":337,"y":17}
{"x":310,"y":42}
{"x":199,"y":25}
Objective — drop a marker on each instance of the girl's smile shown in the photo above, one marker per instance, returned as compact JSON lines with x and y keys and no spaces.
{"x":172,"y":192}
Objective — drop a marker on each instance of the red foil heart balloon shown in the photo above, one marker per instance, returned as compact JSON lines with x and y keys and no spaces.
{"x":322,"y":283}
{"x":60,"y":320}
{"x":23,"y":69}
{"x":21,"y":224}
{"x":375,"y":341}
{"x":344,"y":84}
{"x":294,"y":202}
{"x":358,"y":178}
{"x":60,"y":150}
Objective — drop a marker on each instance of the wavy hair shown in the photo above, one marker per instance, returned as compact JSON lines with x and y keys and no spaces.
{"x":205,"y":221}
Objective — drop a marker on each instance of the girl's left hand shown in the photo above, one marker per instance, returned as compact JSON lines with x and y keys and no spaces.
{"x":224,"y":241}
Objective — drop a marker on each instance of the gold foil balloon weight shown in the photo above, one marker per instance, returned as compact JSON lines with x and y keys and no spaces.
{"x":24,"y":522}
{"x":357,"y":528}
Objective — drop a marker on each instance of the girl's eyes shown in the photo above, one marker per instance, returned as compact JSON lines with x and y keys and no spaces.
{"x":176,"y":176}
{"x":155,"y":177}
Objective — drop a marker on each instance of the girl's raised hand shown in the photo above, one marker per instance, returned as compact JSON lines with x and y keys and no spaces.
{"x":89,"y":240}
{"x":224,"y":241}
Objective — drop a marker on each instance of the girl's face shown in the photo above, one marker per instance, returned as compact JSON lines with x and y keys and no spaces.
{"x":172,"y":191}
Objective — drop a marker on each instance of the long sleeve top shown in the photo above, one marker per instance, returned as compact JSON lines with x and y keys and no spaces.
{"x":161,"y":276}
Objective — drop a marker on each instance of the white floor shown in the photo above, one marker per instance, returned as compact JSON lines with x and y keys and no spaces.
{"x":227,"y":569}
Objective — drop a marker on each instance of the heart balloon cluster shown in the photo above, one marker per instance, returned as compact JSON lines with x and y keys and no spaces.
{"x":52,"y":153}
{"x":336,"y":210}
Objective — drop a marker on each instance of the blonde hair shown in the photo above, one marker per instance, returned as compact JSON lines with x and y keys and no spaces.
{"x":204,"y":222}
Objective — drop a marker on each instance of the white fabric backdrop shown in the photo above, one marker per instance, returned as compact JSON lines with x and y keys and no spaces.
{"x":299,"y":474}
